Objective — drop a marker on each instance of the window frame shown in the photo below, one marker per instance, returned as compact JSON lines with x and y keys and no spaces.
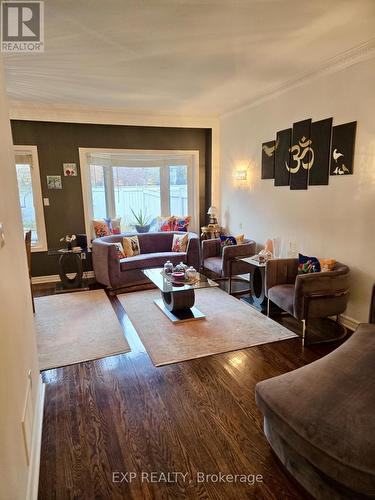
{"x":177,"y":156}
{"x":41,"y":246}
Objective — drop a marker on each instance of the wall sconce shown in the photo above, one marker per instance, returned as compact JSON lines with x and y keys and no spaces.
{"x":240,"y":175}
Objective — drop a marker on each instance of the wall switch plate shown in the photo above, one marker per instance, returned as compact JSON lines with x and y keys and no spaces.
{"x":46,"y":202}
{"x":2,"y":235}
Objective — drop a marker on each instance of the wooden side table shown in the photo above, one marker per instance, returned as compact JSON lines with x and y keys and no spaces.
{"x":211,"y":231}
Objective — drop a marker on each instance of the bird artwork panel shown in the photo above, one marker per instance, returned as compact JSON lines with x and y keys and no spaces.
{"x":268,"y":159}
{"x":342,"y":150}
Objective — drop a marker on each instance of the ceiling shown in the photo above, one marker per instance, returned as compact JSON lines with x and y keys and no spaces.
{"x":192,"y":57}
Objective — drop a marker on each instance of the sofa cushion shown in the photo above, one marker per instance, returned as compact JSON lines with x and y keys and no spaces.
{"x":283,"y":296}
{"x":325,"y":411}
{"x":144,"y":261}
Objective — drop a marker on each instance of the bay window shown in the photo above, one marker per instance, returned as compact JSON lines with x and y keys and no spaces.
{"x":121,"y":183}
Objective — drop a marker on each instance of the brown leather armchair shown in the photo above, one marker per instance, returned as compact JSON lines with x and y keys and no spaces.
{"x":307,"y":296}
{"x":221,"y":264}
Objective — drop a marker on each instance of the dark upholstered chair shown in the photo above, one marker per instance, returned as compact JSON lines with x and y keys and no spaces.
{"x":220,"y":264}
{"x":307,"y":296}
{"x":319,"y":420}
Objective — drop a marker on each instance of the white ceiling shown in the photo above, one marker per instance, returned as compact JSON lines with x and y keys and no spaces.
{"x":192,"y":57}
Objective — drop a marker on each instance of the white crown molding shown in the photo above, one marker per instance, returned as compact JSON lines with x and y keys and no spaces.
{"x":34,"y":111}
{"x":341,"y":61}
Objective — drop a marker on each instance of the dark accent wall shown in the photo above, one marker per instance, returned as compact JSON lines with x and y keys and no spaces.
{"x":58,"y":143}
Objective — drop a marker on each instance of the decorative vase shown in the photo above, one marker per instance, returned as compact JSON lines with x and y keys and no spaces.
{"x":168,"y":267}
{"x":191,"y":273}
{"x":142,"y":229}
{"x":181,"y":267}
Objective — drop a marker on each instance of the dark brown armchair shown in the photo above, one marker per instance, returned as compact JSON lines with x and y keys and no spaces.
{"x":219,"y":260}
{"x":307,"y":296}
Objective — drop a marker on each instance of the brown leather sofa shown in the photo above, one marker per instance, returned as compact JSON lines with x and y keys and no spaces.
{"x":307,"y":296}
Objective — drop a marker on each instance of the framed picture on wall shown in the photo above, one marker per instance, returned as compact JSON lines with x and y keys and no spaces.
{"x":70,"y":169}
{"x":282,"y":157}
{"x":54,"y":182}
{"x":342,"y":151}
{"x":268,"y":160}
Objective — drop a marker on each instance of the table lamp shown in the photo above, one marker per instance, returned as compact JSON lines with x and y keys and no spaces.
{"x":212,"y":213}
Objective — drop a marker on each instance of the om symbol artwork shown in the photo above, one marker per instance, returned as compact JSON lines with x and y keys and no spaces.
{"x":300,"y":156}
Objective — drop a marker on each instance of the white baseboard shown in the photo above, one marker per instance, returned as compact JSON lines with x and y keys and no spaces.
{"x":33,"y":479}
{"x":348,"y":322}
{"x":55,"y":278}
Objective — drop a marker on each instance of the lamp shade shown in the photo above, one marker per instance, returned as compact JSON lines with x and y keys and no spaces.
{"x":212,"y":211}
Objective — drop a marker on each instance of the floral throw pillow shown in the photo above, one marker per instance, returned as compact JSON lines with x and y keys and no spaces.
{"x":119,"y":250}
{"x":308,"y":264}
{"x":107,"y":226}
{"x":100,"y":228}
{"x":180,"y":242}
{"x":182,"y":223}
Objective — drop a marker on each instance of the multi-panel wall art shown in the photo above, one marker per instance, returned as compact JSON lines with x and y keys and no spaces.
{"x":308,"y":153}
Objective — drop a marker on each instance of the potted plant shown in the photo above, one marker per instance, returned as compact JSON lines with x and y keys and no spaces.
{"x":142,"y":222}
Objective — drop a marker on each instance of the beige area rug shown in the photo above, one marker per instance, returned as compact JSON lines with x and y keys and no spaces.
{"x":76,"y":327}
{"x":229,"y":325}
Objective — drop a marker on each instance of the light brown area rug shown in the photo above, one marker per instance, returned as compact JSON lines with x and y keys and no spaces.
{"x":76,"y":327}
{"x":229,"y":325}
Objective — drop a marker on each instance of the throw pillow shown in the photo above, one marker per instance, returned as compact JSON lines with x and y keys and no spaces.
{"x":100,"y":228}
{"x":240,"y":239}
{"x":327,"y":264}
{"x":180,"y":242}
{"x":227,"y":240}
{"x":308,"y":264}
{"x":131,"y":246}
{"x":114,"y":225}
{"x":167,"y":223}
{"x":182,"y":223}
{"x":120,"y":250}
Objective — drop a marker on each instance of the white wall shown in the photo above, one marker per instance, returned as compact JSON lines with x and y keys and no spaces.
{"x":17,"y":337}
{"x":335,"y":221}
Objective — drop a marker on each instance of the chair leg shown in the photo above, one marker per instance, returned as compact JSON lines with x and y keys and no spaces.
{"x":303,"y":332}
{"x":268,"y":307}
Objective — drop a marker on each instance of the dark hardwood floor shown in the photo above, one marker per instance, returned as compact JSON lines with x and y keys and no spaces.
{"x":121,"y":414}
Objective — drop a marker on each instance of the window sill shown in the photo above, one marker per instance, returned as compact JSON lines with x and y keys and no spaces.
{"x":39,"y":248}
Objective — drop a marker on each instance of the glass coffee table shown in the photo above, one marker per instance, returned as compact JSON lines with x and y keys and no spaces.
{"x":177,"y":300}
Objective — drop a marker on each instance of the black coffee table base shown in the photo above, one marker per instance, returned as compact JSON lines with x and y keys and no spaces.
{"x":179,"y":306}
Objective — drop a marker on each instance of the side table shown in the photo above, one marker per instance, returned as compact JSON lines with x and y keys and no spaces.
{"x":70,"y":262}
{"x":211,"y":231}
{"x":257,"y":284}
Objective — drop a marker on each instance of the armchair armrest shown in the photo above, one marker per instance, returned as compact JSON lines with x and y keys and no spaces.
{"x":323,"y":283}
{"x":280,"y":272}
{"x":105,"y":262}
{"x":231,"y":252}
{"x":210,"y":248}
{"x":192,"y":250}
{"x":329,"y":290}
